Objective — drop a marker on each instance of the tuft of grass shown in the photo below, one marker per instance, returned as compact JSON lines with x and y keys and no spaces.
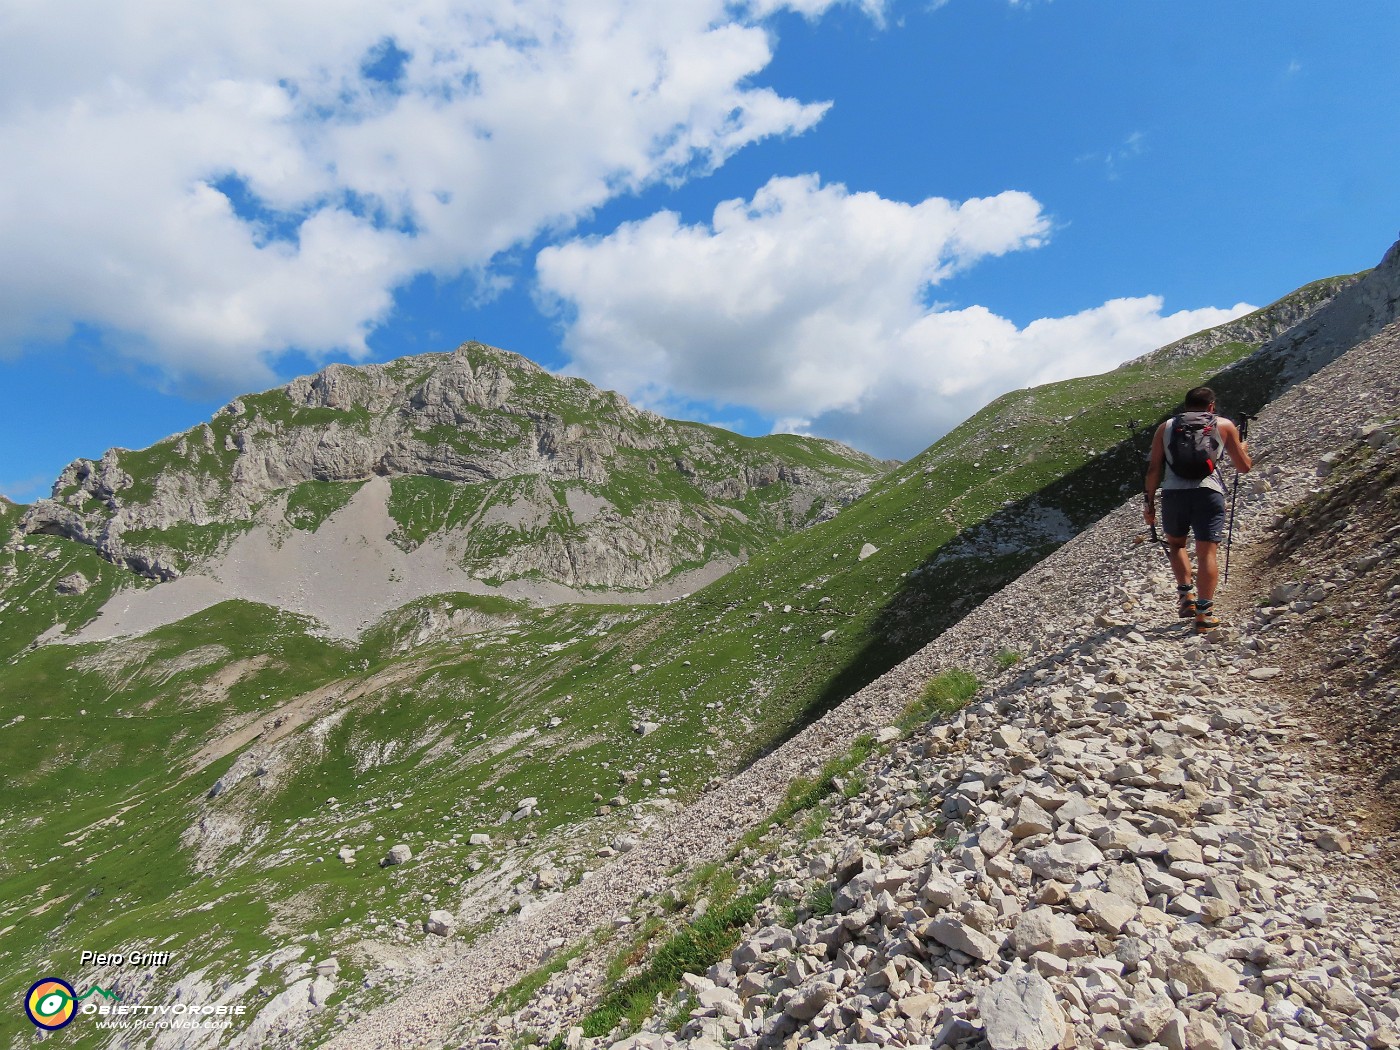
{"x":853,"y":785}
{"x":681,"y":1013}
{"x":635,"y":950}
{"x":815,"y":823}
{"x":1007,"y":658}
{"x":806,"y":793}
{"x":821,"y":901}
{"x":693,"y":948}
{"x":943,"y":695}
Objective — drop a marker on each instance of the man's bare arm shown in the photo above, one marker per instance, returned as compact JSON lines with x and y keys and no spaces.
{"x":1235,"y":447}
{"x":1156,"y":463}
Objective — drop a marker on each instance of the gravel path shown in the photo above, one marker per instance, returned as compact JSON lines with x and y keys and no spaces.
{"x":1314,"y":418}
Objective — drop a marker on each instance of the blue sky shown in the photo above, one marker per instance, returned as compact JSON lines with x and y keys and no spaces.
{"x":861,"y":220}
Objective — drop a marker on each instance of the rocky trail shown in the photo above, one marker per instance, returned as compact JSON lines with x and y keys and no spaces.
{"x":1130,"y":845}
{"x":1134,"y":837}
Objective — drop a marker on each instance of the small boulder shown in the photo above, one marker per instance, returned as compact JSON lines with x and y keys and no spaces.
{"x":1064,"y":862}
{"x":322,"y":987}
{"x":962,"y":937}
{"x":809,"y":1000}
{"x":1334,"y":841}
{"x":1019,"y":1012}
{"x":1031,"y":819}
{"x":1109,"y":912}
{"x":74,"y":583}
{"x":1148,"y":1017}
{"x":440,"y":923}
{"x":1201,"y":973}
{"x":399,"y":854}
{"x":1044,"y":929}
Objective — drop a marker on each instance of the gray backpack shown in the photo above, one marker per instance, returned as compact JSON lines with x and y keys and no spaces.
{"x":1192,"y":447}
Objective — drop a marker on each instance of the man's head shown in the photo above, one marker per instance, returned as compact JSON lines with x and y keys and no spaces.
{"x":1200,"y":399}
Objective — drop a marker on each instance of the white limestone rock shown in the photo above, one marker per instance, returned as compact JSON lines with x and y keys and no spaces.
{"x":1020,"y":1011}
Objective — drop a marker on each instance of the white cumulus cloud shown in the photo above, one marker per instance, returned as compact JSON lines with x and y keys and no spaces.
{"x":207,"y":186}
{"x":811,"y":305}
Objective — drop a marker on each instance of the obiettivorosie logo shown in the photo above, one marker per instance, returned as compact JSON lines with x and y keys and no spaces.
{"x":52,"y":1002}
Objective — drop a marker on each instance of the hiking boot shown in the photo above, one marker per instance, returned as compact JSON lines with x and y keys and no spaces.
{"x":1186,"y":601}
{"x":1206,"y":620}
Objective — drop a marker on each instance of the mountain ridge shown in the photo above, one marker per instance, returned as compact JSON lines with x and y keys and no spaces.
{"x":528,"y":475}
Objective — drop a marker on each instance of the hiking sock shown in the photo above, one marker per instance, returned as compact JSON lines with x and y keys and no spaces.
{"x":1185,"y":599}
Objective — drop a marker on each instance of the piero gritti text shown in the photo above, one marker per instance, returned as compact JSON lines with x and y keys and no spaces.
{"x":124,"y":958}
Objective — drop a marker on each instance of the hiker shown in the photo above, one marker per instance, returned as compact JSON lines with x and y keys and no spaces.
{"x":1188,"y":448}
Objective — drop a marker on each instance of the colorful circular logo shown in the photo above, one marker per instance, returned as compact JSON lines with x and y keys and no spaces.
{"x":51,"y":1003}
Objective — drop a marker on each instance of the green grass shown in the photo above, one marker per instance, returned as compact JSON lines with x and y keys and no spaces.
{"x":1007,"y":658}
{"x":820,"y":901}
{"x":423,"y":506}
{"x":691,"y":949}
{"x":279,"y":410}
{"x":523,"y":990}
{"x":185,"y":544}
{"x":32,"y":604}
{"x":814,"y":823}
{"x":805,"y":793}
{"x":944,"y":694}
{"x":312,"y":502}
{"x":948,"y":691}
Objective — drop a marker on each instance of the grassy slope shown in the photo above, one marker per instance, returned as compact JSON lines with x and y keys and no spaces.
{"x":725,"y":673}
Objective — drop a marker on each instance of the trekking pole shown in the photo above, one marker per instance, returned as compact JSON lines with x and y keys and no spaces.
{"x":1234,"y":491}
{"x":1135,"y":427}
{"x":1230,"y":532}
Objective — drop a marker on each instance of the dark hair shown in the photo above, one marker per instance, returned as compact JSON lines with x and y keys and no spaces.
{"x":1200,"y":398}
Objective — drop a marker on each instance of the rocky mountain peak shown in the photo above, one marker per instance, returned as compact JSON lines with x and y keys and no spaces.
{"x":521,"y":473}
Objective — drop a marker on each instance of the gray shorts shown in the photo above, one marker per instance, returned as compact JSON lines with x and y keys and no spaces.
{"x":1198,"y":511}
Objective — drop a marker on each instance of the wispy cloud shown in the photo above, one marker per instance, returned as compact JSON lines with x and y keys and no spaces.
{"x":1115,"y":158}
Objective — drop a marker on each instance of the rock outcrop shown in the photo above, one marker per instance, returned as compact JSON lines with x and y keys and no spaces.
{"x":528,"y":475}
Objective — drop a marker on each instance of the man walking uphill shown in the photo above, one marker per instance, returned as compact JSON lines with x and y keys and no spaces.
{"x":1188,"y":448}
